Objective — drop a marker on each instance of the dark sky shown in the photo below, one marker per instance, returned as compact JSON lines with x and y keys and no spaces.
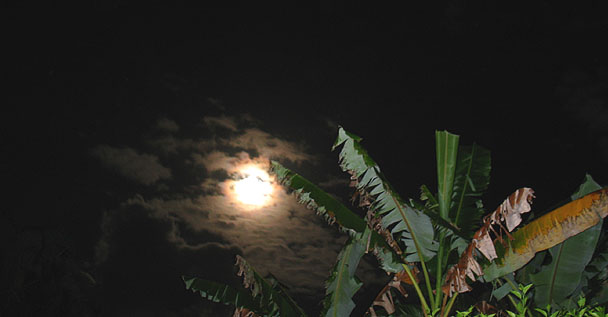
{"x":122,"y":124}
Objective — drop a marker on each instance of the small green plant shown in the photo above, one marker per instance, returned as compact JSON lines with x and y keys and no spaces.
{"x":521,"y":306}
{"x":470,"y":311}
{"x":464,"y":313}
{"x":522,"y":309}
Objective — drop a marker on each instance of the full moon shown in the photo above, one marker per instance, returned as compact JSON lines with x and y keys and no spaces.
{"x":255,"y":188}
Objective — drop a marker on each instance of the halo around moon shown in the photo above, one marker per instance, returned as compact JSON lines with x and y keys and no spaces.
{"x":255,"y":188}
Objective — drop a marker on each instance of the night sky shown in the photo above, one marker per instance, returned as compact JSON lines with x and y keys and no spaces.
{"x":126,"y":126}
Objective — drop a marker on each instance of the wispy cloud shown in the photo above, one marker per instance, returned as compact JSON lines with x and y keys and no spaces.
{"x":143,"y":168}
{"x":222,"y":121}
{"x":269,"y":146}
{"x":167,"y":125}
{"x":282,"y":237}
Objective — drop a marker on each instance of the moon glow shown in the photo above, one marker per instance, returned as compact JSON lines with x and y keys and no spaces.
{"x":255,"y":188}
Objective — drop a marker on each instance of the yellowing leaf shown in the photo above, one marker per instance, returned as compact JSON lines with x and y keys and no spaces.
{"x":548,"y":231}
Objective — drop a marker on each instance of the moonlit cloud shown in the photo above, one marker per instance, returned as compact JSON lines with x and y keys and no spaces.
{"x":216,"y":160}
{"x":281,"y":237}
{"x":222,"y":121}
{"x":335,"y":182}
{"x":167,"y":125}
{"x":143,"y":168}
{"x":270,"y":146}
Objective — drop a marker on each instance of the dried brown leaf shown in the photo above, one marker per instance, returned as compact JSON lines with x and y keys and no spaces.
{"x":483,"y":243}
{"x":509,"y":212}
{"x":511,"y":209}
{"x":248,"y":276}
{"x":243,"y":312}
{"x":485,"y":308}
{"x":375,"y":224}
{"x":385,"y":298}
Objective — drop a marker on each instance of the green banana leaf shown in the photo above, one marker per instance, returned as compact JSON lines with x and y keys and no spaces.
{"x":560,"y":278}
{"x":471,"y":179}
{"x":462,"y":175}
{"x":595,"y":277}
{"x":446,"y":150}
{"x":270,"y":296}
{"x":413,"y":227}
{"x":323,"y":203}
{"x":265,"y":298}
{"x":221,"y":293}
{"x":342,"y":283}
{"x":335,"y":212}
{"x":430,"y":207}
{"x":547,"y":231}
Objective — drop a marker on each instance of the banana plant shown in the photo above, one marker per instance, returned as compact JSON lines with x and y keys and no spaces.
{"x":416,"y":240}
{"x":402,"y":235}
{"x":429,"y":231}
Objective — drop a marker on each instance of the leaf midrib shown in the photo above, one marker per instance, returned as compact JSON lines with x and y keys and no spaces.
{"x":554,"y":272}
{"x":339,"y":279}
{"x":461,"y":200}
{"x":443,"y":213}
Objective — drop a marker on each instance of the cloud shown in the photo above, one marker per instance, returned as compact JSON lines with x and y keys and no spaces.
{"x":167,"y":125}
{"x":216,"y":102}
{"x":330,"y":126}
{"x":282,"y":238}
{"x":253,"y":140}
{"x":169,"y":144}
{"x":217,"y":160}
{"x":335,"y":182}
{"x":222,"y":121}
{"x":143,"y":168}
{"x":269,"y":146}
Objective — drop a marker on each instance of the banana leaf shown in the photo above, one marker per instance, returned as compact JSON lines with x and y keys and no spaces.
{"x":271,"y":297}
{"x":595,"y":277}
{"x":471,"y":179}
{"x":394,"y":216}
{"x":342,"y":283}
{"x":318,"y":200}
{"x":560,"y":278}
{"x":335,"y":212}
{"x":431,"y":209}
{"x":446,"y":150}
{"x":221,"y":293}
{"x":549,"y":230}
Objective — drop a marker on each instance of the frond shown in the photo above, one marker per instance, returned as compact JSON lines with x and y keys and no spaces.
{"x":221,"y":293}
{"x":471,"y":180}
{"x":270,"y":296}
{"x":342,"y":283}
{"x":388,"y":213}
{"x":560,"y":278}
{"x":335,"y":212}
